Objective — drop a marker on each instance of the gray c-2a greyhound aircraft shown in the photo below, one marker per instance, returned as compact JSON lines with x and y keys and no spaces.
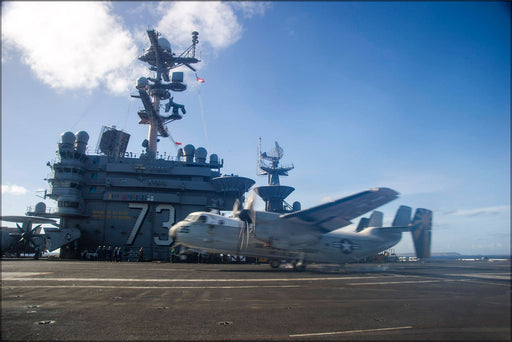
{"x":311,"y":235}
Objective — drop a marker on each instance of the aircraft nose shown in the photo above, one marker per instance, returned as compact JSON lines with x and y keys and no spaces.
{"x":173,"y":232}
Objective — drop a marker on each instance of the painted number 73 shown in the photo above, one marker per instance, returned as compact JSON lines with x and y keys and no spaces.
{"x":142,"y":215}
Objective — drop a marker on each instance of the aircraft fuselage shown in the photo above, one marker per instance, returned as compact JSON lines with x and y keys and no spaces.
{"x":219,"y":234}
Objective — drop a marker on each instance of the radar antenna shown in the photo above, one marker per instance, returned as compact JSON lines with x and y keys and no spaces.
{"x":272,"y":169}
{"x":273,"y":193}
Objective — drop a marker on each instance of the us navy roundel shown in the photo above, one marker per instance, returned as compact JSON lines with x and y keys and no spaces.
{"x":346,"y":246}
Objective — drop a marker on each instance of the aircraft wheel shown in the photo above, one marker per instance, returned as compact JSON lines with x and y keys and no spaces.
{"x":299,"y":266}
{"x":275,"y":263}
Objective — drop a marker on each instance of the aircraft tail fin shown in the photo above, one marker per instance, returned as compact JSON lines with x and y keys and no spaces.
{"x":421,"y":228}
{"x":376,"y":219}
{"x":403,"y":216}
{"x":363,"y":223}
{"x":422,"y":232}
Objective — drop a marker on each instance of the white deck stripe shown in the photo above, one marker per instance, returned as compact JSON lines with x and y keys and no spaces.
{"x":349,"y":331}
{"x":500,"y":276}
{"x":408,"y":282}
{"x":151,"y":287}
{"x":7,"y":277}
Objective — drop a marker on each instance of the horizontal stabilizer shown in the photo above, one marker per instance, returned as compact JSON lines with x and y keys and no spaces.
{"x":396,"y":229}
{"x":401,"y":222}
{"x":421,"y":228}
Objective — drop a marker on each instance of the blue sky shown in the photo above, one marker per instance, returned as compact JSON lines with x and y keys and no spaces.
{"x":414,"y":96}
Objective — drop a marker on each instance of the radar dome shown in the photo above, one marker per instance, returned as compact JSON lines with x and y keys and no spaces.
{"x":141,"y":82}
{"x":164,"y":44}
{"x":81,"y":141}
{"x":67,"y":138}
{"x":82,"y":136}
{"x":189,"y":149}
{"x":214,"y":159}
{"x":40,"y":207}
{"x":201,"y":155}
{"x":189,"y":152}
{"x":296,"y":206}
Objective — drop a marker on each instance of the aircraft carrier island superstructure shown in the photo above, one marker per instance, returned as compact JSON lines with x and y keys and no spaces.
{"x":116,"y":199}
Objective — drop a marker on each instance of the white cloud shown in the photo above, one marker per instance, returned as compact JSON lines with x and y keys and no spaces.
{"x":251,"y":8}
{"x":414,"y":182}
{"x":216,"y":23}
{"x":84,"y":45}
{"x":71,"y":45}
{"x":14,"y":190}
{"x":487,"y":211}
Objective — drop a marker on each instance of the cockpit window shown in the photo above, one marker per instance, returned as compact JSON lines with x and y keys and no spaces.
{"x":192,"y":217}
{"x":196,"y":217}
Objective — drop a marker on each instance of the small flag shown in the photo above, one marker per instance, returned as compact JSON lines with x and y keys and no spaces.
{"x":200,"y":80}
{"x":177,"y":143}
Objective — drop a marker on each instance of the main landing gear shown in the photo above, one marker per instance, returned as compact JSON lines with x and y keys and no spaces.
{"x":298,"y":265}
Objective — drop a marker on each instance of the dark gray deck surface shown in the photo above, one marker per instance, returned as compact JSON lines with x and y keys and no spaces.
{"x":87,"y":300}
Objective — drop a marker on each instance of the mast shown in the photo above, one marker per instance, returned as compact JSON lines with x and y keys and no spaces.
{"x":154,"y":90}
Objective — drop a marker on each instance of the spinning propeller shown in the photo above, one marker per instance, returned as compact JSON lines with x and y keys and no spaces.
{"x":248,"y":217}
{"x":28,"y":235}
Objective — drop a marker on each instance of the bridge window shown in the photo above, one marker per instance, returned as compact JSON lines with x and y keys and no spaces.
{"x":68,"y":204}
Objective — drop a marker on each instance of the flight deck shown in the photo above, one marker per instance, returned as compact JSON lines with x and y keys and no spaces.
{"x":94,"y":300}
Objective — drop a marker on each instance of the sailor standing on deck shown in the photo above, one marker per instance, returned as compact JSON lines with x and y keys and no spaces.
{"x":141,"y":254}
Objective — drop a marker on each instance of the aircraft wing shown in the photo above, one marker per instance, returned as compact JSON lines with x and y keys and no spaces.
{"x":33,"y":219}
{"x":337,"y":214}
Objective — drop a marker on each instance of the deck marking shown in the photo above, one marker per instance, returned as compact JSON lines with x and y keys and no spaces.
{"x":408,"y":282}
{"x":349,"y":332}
{"x":152,"y":287}
{"x":500,"y":276}
{"x":175,"y":280}
{"x":486,"y":283}
{"x":11,"y":275}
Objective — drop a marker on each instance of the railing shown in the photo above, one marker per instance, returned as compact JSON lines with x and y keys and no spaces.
{"x":32,"y":209}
